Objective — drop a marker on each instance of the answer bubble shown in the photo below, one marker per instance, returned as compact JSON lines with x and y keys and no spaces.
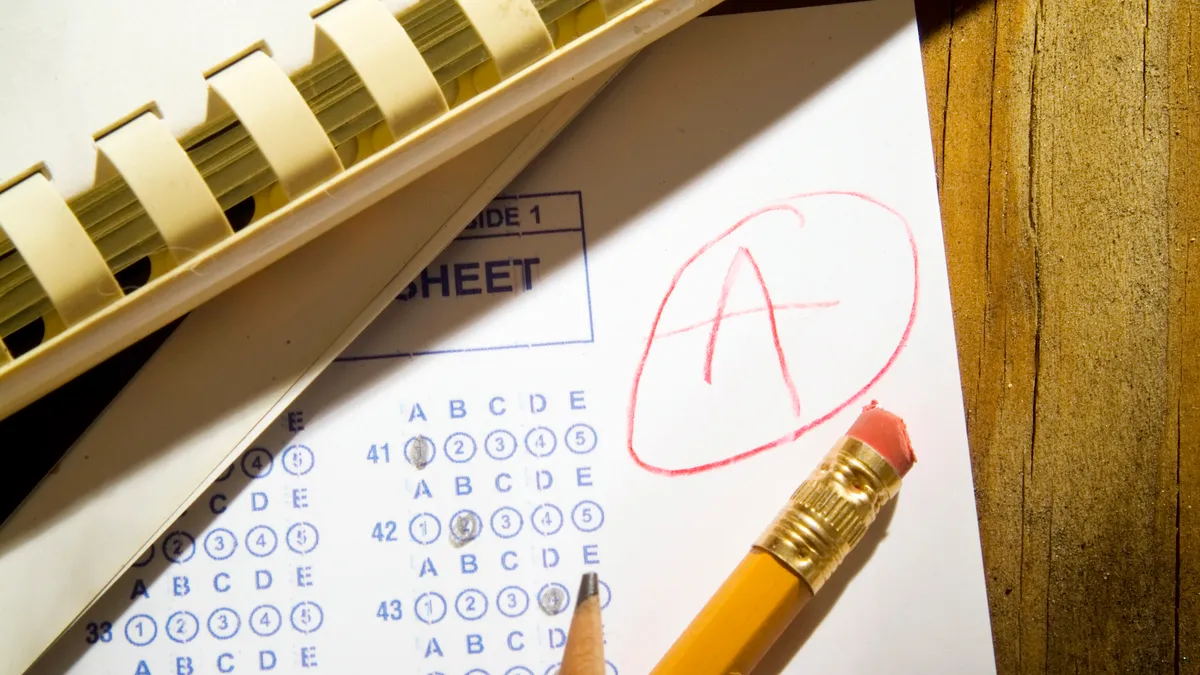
{"x":140,"y":630}
{"x":298,"y":459}
{"x":224,"y":623}
{"x":507,"y":522}
{"x":465,"y":526}
{"x":512,"y":601}
{"x":471,"y":604}
{"x":424,"y":528}
{"x":182,"y":627}
{"x":257,"y":463}
{"x":540,"y":442}
{"x":419,"y":451}
{"x":459,"y":447}
{"x":302,"y":538}
{"x":587,"y":516}
{"x":261,"y":541}
{"x":500,"y":444}
{"x":547,"y":519}
{"x":307,"y":617}
{"x":220,"y":543}
{"x":265,"y":620}
{"x":580,"y":439}
{"x":553,"y":598}
{"x":179,"y":546}
{"x":430,"y":608}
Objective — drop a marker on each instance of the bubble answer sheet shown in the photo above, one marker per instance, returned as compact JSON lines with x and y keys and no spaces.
{"x":625,"y":364}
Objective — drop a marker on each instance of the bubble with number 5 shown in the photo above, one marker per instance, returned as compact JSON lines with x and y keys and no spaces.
{"x":580,"y":439}
{"x":587,"y":516}
{"x":307,"y":617}
{"x":302,"y":538}
{"x":298,"y":459}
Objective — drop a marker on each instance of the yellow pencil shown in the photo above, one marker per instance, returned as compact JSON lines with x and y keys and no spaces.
{"x":825,"y":518}
{"x":584,"y":651}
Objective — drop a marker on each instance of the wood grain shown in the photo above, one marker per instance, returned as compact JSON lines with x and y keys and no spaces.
{"x":1184,"y":330}
{"x":1068,"y":140}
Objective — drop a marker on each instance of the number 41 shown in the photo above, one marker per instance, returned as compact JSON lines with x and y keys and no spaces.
{"x":378,"y":452}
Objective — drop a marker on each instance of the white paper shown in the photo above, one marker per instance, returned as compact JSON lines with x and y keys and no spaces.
{"x":531,"y":351}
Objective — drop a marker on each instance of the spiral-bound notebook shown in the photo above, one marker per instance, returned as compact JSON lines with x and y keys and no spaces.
{"x":156,"y":154}
{"x":538,"y":400}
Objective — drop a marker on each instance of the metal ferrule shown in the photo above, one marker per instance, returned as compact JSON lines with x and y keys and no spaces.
{"x":831,"y":511}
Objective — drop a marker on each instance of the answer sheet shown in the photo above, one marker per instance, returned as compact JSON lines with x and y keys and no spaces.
{"x":625,"y":364}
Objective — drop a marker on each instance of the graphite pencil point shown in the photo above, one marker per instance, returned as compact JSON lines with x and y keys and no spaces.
{"x":589,"y":586}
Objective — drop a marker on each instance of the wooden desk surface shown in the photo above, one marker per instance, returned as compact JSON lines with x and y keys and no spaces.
{"x":1067,"y":137}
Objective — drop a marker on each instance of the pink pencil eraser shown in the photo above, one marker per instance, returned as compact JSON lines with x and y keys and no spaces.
{"x":887,"y":434}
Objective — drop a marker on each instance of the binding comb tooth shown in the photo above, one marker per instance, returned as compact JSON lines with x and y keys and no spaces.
{"x":56,"y":249}
{"x":278,"y":120}
{"x":389,"y":64}
{"x":512,"y":32}
{"x":166,"y":184}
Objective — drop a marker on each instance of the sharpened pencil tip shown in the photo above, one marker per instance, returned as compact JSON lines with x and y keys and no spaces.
{"x":589,"y":585}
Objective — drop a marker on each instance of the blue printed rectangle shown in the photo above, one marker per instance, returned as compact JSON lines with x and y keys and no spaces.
{"x":525,"y":255}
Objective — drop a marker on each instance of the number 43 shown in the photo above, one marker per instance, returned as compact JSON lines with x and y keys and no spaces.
{"x":389,"y":610}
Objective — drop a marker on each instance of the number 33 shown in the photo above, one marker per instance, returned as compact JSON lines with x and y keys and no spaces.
{"x":99,"y":633}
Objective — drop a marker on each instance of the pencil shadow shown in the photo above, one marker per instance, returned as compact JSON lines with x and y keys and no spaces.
{"x":797,"y":635}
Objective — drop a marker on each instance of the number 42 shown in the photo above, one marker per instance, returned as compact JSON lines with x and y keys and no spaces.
{"x":384,"y":531}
